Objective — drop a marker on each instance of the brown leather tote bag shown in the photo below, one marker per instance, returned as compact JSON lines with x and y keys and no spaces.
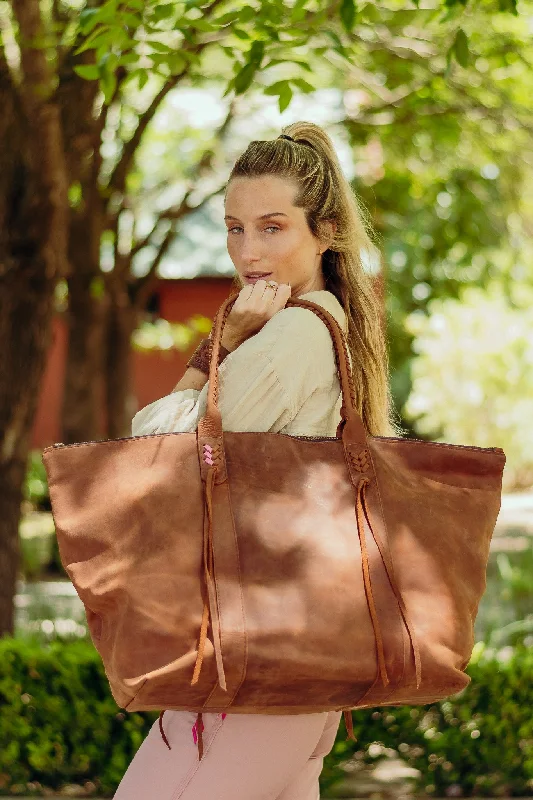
{"x":273,"y":574}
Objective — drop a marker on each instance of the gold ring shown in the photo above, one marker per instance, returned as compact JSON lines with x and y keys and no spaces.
{"x":272,"y":284}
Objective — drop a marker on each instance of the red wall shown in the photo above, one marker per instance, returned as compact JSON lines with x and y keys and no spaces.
{"x":154,"y":374}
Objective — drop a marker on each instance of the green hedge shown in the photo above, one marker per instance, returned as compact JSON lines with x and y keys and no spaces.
{"x":59,"y":725}
{"x":478,"y":742}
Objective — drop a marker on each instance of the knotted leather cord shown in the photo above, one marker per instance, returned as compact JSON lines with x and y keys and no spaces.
{"x":210,"y":602}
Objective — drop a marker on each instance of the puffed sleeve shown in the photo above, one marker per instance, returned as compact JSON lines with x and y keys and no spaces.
{"x":177,"y":411}
{"x":262,"y":384}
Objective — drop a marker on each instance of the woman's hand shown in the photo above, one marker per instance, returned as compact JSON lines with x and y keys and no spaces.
{"x":251,"y":310}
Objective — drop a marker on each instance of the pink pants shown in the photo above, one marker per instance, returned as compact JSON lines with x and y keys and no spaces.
{"x":246,"y":757}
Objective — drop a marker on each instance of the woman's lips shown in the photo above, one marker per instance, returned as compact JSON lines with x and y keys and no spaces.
{"x":255,"y":278}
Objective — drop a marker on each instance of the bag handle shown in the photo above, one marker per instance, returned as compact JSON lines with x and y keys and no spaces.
{"x":351,"y":426}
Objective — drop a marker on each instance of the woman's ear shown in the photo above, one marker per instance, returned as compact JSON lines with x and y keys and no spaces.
{"x":327,"y":229}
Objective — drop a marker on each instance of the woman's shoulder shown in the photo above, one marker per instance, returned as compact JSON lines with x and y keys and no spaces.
{"x":328,"y":301}
{"x":302,"y":322}
{"x":298,"y":331}
{"x":294,"y":348}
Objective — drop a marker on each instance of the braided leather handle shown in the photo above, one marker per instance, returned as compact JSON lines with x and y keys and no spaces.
{"x":353,"y":430}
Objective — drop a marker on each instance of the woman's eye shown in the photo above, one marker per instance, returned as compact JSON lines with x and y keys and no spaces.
{"x":238,"y":228}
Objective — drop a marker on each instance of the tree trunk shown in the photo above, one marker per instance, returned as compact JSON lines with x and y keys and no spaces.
{"x":121,"y":322}
{"x":26,"y":308}
{"x":33,"y":203}
{"x":82,"y":400}
{"x":82,"y":393}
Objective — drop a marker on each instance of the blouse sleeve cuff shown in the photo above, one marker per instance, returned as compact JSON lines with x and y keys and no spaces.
{"x":176,"y":412}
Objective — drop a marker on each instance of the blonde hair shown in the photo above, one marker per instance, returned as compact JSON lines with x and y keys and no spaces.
{"x":325,"y":194}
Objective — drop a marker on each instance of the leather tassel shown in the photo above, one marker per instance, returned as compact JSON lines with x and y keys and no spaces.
{"x":382,"y":667}
{"x":162,"y":731}
{"x":348,"y":721}
{"x":199,"y":731}
{"x":361,"y":505}
{"x":210,"y":603}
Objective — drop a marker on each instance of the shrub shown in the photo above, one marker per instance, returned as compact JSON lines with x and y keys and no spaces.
{"x":473,"y":375}
{"x":63,"y":726}
{"x":477,"y":742}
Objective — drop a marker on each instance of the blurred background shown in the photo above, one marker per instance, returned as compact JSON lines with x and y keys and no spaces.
{"x":120,"y":123}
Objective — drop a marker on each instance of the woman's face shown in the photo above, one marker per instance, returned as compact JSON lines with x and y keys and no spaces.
{"x":268,"y":234}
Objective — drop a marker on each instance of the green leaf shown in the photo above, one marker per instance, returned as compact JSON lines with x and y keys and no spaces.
{"x":200,"y":24}
{"x":160,"y":47}
{"x":128,"y":58}
{"x":246,"y":14}
{"x":298,"y":10}
{"x":224,"y":19}
{"x":271,"y":32}
{"x":157,"y":58}
{"x":275,"y":88}
{"x":108,"y":85}
{"x":508,"y":5}
{"x":101,"y":35}
{"x":244,"y":77}
{"x":285,"y":98}
{"x":163,"y":11}
{"x":240,"y":34}
{"x":88,"y":19}
{"x":338,"y":45}
{"x":131,"y":20}
{"x":176,"y":63}
{"x":348,"y":13}
{"x":133,"y":75}
{"x":229,"y":87}
{"x":284,"y":92}
{"x":256,"y":53}
{"x":143,"y":78}
{"x":87,"y":71}
{"x":304,"y":86}
{"x":460,"y":47}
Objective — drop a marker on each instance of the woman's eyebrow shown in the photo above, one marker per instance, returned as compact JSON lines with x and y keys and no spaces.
{"x":263,"y":216}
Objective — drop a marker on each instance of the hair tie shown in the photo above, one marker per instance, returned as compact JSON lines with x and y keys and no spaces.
{"x":284,"y":136}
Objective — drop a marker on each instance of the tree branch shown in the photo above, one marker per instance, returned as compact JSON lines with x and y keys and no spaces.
{"x":45,"y":140}
{"x":183,"y":208}
{"x":145,"y":284}
{"x":118,"y":177}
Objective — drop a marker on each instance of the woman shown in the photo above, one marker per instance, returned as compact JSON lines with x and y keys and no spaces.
{"x":294,"y":229}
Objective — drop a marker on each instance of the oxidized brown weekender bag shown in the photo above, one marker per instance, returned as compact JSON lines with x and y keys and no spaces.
{"x":275,"y":574}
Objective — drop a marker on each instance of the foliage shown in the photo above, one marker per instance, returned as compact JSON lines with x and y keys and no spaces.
{"x":35,"y":490}
{"x":442,"y":157}
{"x":37,"y":538}
{"x":164,"y":335}
{"x":478,"y":742}
{"x":167,"y":38}
{"x":473,"y":374}
{"x":63,"y":725}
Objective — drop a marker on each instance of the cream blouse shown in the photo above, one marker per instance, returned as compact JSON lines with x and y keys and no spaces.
{"x":283,"y":379}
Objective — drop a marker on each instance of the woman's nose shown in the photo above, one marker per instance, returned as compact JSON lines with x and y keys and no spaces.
{"x":250,"y":248}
